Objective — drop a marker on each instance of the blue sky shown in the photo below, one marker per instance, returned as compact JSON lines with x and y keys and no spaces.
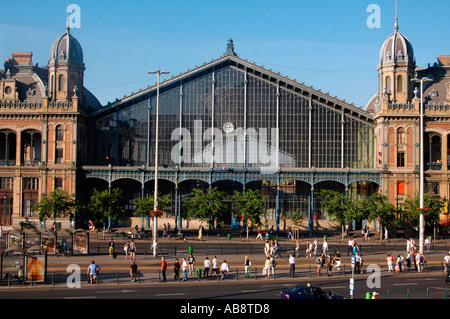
{"x":326,"y":44}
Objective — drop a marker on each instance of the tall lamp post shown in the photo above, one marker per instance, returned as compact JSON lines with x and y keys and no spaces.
{"x":421,"y":177}
{"x":155,"y":201}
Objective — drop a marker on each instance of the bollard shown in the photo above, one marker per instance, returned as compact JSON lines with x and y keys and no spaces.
{"x":428,"y":293}
{"x":387,"y":294}
{"x":53,"y":278}
{"x":407,"y":293}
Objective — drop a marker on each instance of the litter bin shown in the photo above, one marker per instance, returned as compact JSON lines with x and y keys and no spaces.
{"x":198,"y":272}
{"x":369,"y":295}
{"x":191,"y":249}
{"x":229,"y":236}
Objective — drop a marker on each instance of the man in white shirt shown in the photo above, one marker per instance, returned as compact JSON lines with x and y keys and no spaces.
{"x":291,"y":266}
{"x":224,"y":269}
{"x":325,"y":247}
{"x":350,"y":246}
{"x":207,"y":264}
{"x":447,"y":263}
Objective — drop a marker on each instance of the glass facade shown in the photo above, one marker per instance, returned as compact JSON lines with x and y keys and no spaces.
{"x":282,"y":127}
{"x":226,"y":118}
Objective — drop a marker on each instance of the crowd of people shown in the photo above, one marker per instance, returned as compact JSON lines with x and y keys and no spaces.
{"x":326,"y":263}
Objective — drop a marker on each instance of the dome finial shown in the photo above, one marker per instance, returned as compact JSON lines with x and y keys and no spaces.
{"x":67,"y":19}
{"x":396,"y":18}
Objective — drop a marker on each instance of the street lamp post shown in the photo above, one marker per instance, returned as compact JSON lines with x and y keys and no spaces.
{"x":155,"y":201}
{"x":421,"y":177}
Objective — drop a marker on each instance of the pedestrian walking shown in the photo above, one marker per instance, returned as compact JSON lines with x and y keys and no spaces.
{"x":428,"y":243}
{"x":191,"y":263}
{"x":259,"y":234}
{"x":224,"y":268}
{"x":92,"y":272}
{"x":390,"y":262}
{"x":276,"y":249}
{"x":309,"y":250}
{"x":338,"y":261}
{"x":420,"y":259}
{"x":247,"y":265}
{"x":399,"y":265}
{"x":292,"y":261}
{"x":350,"y":246}
{"x":184,"y":268}
{"x":319,"y":264}
{"x":111,"y":247}
{"x":330,"y":263}
{"x":206,"y":265}
{"x":133,"y":271}
{"x":297,"y":247}
{"x":315,"y":246}
{"x":408,"y":260}
{"x":215,"y":266}
{"x":447,"y":264}
{"x":176,"y":269}
{"x":163,"y":269}
{"x":325,"y":247}
{"x":357,"y":263}
{"x":126,"y":249}
{"x":132,"y":247}
{"x":267,"y":266}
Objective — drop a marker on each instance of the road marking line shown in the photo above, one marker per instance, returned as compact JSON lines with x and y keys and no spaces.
{"x":174,"y":294}
{"x":407,"y":284}
{"x":85,"y":297}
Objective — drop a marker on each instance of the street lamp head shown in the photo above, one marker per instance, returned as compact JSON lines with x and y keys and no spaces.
{"x":158,"y":72}
{"x":422,"y":79}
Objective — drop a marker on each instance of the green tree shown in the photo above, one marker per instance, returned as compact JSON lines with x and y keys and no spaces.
{"x":433,"y":208}
{"x":379,"y":209}
{"x":145,"y":204}
{"x":205,"y":205}
{"x":250,"y":205}
{"x":338,"y":206}
{"x":57,"y":203}
{"x":107,"y":206}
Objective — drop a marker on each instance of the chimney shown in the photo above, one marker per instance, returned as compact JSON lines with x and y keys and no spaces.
{"x":22,"y":58}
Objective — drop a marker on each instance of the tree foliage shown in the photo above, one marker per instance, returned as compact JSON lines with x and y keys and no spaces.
{"x":106,"y":205}
{"x":433,"y":205}
{"x":250,"y":205}
{"x":205,"y":205}
{"x":145,"y":204}
{"x":57,"y":203}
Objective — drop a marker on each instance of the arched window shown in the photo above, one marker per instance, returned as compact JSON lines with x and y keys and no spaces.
{"x":388,"y":84}
{"x":59,"y":133}
{"x":399,"y":83}
{"x":61,"y":82}
{"x":401,"y":135}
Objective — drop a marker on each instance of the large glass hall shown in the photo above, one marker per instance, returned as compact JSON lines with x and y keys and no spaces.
{"x":233,"y":125}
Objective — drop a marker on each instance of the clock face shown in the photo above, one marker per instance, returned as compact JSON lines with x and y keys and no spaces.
{"x":228,"y":127}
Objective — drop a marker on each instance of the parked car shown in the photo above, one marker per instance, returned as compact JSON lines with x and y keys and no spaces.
{"x":308,"y":292}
